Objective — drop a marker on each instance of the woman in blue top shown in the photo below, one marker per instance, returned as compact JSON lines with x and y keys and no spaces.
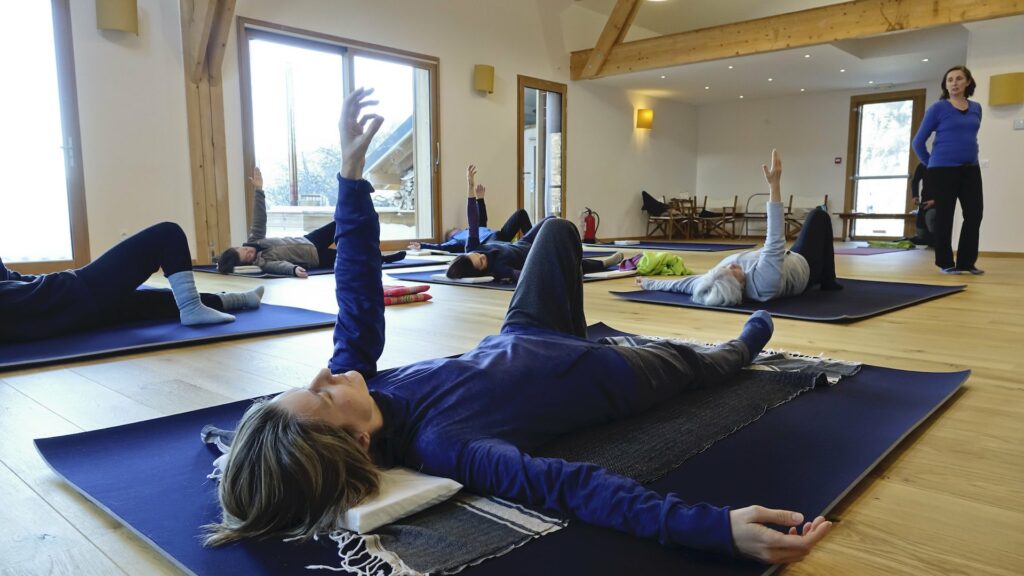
{"x":953,"y":172}
{"x":303,"y":458}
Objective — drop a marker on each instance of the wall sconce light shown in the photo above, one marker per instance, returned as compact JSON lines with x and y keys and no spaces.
{"x":483,"y":78}
{"x":1006,"y":89}
{"x":120,"y":15}
{"x":644,"y":118}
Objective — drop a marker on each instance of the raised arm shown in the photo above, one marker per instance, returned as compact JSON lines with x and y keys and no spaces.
{"x":258,"y":230}
{"x":766,"y":276}
{"x":472,"y":211}
{"x":359,"y":329}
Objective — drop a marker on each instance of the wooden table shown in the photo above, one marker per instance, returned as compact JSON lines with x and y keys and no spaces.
{"x":849,"y":218}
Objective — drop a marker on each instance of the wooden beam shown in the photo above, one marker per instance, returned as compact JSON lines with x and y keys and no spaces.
{"x":204,"y":28}
{"x":197,"y":18}
{"x":857,"y":19}
{"x":224,"y":14}
{"x":613,"y":34}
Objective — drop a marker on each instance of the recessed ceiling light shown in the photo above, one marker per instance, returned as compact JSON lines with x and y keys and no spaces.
{"x":924,"y":59}
{"x":871,"y":81}
{"x":771,"y":79}
{"x":807,"y":55}
{"x":707,"y":87}
{"x":801,"y":89}
{"x":842,"y":69}
{"x":741,"y":96}
{"x":662,"y":76}
{"x":730,"y":66}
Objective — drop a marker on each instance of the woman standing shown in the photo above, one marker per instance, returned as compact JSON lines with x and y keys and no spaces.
{"x":953,"y":172}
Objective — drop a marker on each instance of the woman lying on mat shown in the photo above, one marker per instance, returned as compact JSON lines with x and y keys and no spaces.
{"x":477,"y":233}
{"x":505,"y":261}
{"x":301,"y":460}
{"x":771,"y":272}
{"x":105,"y":291}
{"x":286,"y":256}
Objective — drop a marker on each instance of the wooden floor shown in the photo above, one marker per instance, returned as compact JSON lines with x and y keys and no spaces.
{"x":950,"y":500}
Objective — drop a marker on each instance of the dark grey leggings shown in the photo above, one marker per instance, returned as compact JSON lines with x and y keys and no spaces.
{"x":549,"y":295}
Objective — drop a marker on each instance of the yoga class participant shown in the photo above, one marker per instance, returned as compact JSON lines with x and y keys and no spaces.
{"x":505,"y":261}
{"x":285,"y":256}
{"x":106,"y":292}
{"x":300,"y":460}
{"x":477,"y":233}
{"x":771,"y":272}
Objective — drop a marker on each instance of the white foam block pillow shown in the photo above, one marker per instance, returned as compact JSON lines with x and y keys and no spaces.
{"x":402,"y":492}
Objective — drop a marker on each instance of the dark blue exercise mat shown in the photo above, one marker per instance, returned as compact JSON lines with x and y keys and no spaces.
{"x":772,"y":462}
{"x":405,"y":263}
{"x":857,"y":300}
{"x":144,"y":474}
{"x":150,"y":335}
{"x":684,"y":246}
{"x":427,"y":276}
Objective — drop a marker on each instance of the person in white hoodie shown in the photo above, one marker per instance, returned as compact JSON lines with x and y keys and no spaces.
{"x":771,"y":272}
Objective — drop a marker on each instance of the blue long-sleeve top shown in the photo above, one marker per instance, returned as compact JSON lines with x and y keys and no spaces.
{"x":475,"y":418}
{"x":471,"y":237}
{"x":956,"y":135}
{"x":772,"y":272}
{"x":39,"y":306}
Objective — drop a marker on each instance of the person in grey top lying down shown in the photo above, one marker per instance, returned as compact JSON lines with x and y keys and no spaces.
{"x":771,"y":272}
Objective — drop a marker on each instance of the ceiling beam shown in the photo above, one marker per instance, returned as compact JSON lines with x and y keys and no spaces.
{"x":613,"y":34}
{"x":857,"y":19}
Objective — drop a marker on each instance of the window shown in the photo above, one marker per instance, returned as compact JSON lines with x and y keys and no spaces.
{"x":42,"y":200}
{"x":295,"y":83}
{"x":881,"y":129}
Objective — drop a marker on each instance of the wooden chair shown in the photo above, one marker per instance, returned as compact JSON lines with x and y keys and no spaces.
{"x":677,"y":218}
{"x":722,"y":223}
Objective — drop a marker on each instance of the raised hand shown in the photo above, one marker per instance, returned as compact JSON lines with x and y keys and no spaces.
{"x":757,"y":541}
{"x":356,"y":132}
{"x":480,"y":190}
{"x":774,"y":177}
{"x":471,"y":178}
{"x":257,"y":179}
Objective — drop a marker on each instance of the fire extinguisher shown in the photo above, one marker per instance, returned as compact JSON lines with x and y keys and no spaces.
{"x":591,"y":221}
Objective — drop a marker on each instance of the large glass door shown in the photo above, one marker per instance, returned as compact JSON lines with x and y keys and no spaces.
{"x":296,"y":86}
{"x":541,"y":133}
{"x":42,"y":201}
{"x":885,"y":125}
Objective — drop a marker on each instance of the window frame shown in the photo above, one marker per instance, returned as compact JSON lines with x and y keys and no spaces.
{"x":349,"y":50}
{"x":522,"y":83}
{"x":68,"y":98}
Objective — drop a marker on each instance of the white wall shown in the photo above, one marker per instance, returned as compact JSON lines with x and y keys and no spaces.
{"x":809,"y":131}
{"x":131,"y":100}
{"x":997,"y":47}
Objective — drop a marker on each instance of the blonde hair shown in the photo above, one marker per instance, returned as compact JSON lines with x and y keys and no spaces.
{"x":718,"y":287}
{"x":289,"y":477}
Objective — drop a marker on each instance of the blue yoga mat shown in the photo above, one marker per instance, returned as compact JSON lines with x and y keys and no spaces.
{"x":145,"y":474}
{"x":150,"y":335}
{"x":857,"y":300}
{"x":426,"y":276}
{"x":684,"y":246}
{"x":406,"y":263}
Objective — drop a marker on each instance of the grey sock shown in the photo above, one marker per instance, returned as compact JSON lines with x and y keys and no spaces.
{"x":611,"y":260}
{"x":242,"y":300}
{"x":190,"y":307}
